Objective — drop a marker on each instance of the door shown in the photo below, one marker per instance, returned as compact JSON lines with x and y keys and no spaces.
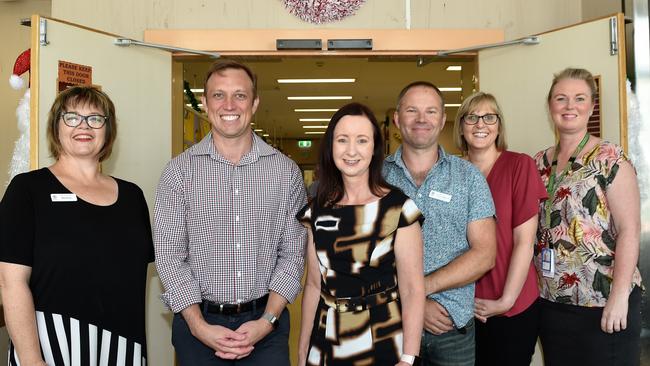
{"x":138,"y":80}
{"x":520,"y":77}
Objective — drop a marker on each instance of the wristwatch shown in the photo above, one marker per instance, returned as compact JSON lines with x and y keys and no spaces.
{"x":411,"y":360}
{"x":271,"y":319}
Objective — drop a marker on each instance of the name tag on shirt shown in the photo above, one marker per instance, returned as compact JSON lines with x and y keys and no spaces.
{"x":548,"y":262}
{"x":444,"y":197}
{"x":63,"y":197}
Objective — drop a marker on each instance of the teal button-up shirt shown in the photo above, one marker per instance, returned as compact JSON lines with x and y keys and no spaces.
{"x":453,"y":194}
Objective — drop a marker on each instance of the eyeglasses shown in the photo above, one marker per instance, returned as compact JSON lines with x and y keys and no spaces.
{"x":72,"y":119}
{"x":488,"y":119}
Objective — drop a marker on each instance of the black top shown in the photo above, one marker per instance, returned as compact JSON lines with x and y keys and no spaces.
{"x":88,"y":262}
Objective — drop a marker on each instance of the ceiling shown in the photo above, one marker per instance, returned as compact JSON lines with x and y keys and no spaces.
{"x":378,"y":81}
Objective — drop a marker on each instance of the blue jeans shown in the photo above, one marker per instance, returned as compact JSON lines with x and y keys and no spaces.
{"x":454,"y":348}
{"x":273,"y":350}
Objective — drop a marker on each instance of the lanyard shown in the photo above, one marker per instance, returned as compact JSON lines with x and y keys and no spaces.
{"x":553,"y":181}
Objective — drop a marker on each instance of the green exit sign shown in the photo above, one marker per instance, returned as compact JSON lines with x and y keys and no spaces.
{"x":304,"y":144}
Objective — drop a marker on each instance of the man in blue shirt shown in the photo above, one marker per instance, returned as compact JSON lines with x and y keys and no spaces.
{"x":459,"y":227}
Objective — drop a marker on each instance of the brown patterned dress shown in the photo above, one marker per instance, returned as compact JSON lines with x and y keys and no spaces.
{"x":354,"y":246}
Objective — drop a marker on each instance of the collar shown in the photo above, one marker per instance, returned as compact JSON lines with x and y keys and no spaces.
{"x":258,"y":148}
{"x":396,"y":158}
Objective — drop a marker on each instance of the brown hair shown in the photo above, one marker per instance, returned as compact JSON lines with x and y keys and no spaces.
{"x":574,"y":73}
{"x":471,"y":103}
{"x":222,"y":65}
{"x":81,"y":95}
{"x":415,"y":84}
{"x":330,"y":184}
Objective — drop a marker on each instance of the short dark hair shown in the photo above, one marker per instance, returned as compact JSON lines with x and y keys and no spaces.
{"x":330,"y":184}
{"x":222,"y":65}
{"x":81,"y":95}
{"x":415,"y":84}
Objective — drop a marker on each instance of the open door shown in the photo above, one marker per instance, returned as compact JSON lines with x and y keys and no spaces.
{"x":520,"y":77}
{"x":138,"y":80}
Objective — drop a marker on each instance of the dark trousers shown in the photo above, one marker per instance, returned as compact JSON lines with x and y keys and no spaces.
{"x":508,"y":340}
{"x":273,"y":350}
{"x":571,"y":335}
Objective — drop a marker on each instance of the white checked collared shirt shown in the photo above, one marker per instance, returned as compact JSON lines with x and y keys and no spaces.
{"x":228,"y":232}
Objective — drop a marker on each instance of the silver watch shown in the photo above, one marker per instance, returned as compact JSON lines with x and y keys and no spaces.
{"x":271,"y":319}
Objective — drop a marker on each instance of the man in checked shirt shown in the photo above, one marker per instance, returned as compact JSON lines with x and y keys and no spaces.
{"x":229,"y":249}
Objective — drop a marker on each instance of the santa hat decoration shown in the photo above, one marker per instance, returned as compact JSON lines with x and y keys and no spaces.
{"x":20,"y":67}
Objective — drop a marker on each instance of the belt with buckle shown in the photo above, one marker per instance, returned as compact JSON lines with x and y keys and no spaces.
{"x":231,"y":309}
{"x":345,"y":304}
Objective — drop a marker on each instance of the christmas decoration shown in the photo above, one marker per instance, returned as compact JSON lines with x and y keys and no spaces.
{"x":190,"y":96}
{"x":637,"y":149}
{"x":20,"y":67}
{"x":20,"y":158}
{"x":322,"y":11}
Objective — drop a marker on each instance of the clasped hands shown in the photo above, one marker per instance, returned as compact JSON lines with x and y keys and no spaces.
{"x":234,"y":344}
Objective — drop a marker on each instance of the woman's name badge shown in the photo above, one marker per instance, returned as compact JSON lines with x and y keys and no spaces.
{"x":444,"y":197}
{"x":63,"y":197}
{"x":548,"y":262}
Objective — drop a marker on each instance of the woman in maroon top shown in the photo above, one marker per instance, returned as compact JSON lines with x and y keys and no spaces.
{"x":506,"y":295}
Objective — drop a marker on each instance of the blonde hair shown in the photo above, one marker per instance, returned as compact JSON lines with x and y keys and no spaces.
{"x":471,"y":103}
{"x":574,"y":73}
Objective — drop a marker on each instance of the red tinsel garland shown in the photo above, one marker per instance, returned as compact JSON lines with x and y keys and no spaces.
{"x":322,"y":11}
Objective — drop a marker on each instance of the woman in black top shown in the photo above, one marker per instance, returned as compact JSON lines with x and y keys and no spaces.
{"x":74,"y":247}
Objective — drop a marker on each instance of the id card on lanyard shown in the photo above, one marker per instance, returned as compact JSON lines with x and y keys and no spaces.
{"x":548,"y":252}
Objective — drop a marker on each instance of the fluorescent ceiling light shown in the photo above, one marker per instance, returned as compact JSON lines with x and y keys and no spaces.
{"x":322,"y":97}
{"x":314,"y":132}
{"x":307,"y":81}
{"x":314,"y":126}
{"x":315,"y":110}
{"x":454,"y":68}
{"x":452,"y":105}
{"x":258,"y":130}
{"x":189,"y":105}
{"x":451,"y":89}
{"x":266,"y":135}
{"x":314,"y":119}
{"x":197,"y":90}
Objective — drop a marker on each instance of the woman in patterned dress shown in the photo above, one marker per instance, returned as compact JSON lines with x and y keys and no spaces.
{"x":588,"y":238}
{"x":364,"y":255}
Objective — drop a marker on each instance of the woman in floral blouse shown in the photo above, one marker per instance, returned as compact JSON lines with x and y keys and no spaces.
{"x":588,"y":238}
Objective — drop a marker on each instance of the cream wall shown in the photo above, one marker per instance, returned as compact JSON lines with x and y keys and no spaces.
{"x":130,"y":18}
{"x":592,"y":9}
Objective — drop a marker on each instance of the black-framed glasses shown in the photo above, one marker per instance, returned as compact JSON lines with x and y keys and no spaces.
{"x":72,"y":119}
{"x":488,"y":119}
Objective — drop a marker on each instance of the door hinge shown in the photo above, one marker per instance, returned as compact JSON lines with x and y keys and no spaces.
{"x":613,"y":36}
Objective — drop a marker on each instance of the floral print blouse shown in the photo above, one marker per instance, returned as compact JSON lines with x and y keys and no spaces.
{"x":581,"y":229}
